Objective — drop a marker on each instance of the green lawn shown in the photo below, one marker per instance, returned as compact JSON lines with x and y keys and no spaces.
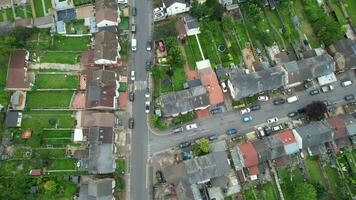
{"x":59,"y":57}
{"x":38,"y":120}
{"x":29,"y":11}
{"x":285,"y":11}
{"x":336,"y":183}
{"x":48,"y":153}
{"x":19,"y":11}
{"x":288,"y":178}
{"x":124,"y":44}
{"x":120,"y":166}
{"x":124,"y":23}
{"x":38,"y":8}
{"x":313,"y":170}
{"x":59,"y":81}
{"x":57,"y":141}
{"x":351,"y":7}
{"x":9,"y":15}
{"x":248,"y":194}
{"x":48,"y":99}
{"x":192,"y":52}
{"x":57,"y":134}
{"x":70,"y":43}
{"x":178,"y":78}
{"x":241,"y":34}
{"x":335,"y":7}
{"x":277,"y":26}
{"x":81,"y":2}
{"x":123,"y":87}
{"x":209,"y":50}
{"x":62,"y":164}
{"x":48,"y":5}
{"x":266,"y":191}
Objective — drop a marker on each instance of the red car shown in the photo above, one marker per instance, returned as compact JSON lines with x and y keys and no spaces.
{"x":161,"y":46}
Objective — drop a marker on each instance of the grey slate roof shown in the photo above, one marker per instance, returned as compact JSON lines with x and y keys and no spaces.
{"x":315,"y":134}
{"x":11,"y":119}
{"x":191,"y":22}
{"x":168,"y":3}
{"x":262,"y":149}
{"x":276,"y":147}
{"x":96,"y":189}
{"x":173,"y":103}
{"x":347,"y":48}
{"x":250,"y":84}
{"x":220,"y":72}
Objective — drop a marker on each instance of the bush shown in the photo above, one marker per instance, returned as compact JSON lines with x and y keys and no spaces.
{"x":156,"y":122}
{"x":182,"y":118}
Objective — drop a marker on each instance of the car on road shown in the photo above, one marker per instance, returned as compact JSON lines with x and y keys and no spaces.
{"x":277,"y":128}
{"x":314,"y":92}
{"x":272,"y":120}
{"x":178,"y":130}
{"x":159,"y":177}
{"x":134,"y":11}
{"x":191,"y":126}
{"x":262,"y":98}
{"x":327,"y":102}
{"x":261,"y":133}
{"x":147,"y":107}
{"x":133,"y":28}
{"x":231,"y":131}
{"x":292,"y":114}
{"x":245,"y":111}
{"x":301,"y":110}
{"x":131,"y":123}
{"x":279,"y":101}
{"x":346,"y":83}
{"x":149,"y":45}
{"x":213,"y":137}
{"x":133,"y":75}
{"x":247,"y":118}
{"x":349,"y":97}
{"x":148,"y":65}
{"x":184,"y":144}
{"x":131,"y":96}
{"x":147,"y":93}
{"x":255,"y":107}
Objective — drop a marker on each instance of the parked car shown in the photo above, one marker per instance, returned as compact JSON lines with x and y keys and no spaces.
{"x":255,"y":107}
{"x":147,"y":106}
{"x":247,"y":118}
{"x":272,"y":120}
{"x":148,"y":65}
{"x":178,"y":130}
{"x":216,"y":110}
{"x":213,"y":137}
{"x":161,"y":47}
{"x":245,"y":111}
{"x":159,"y":177}
{"x":131,"y":96}
{"x":133,"y":28}
{"x":149,"y":45}
{"x":267,"y":130}
{"x":191,"y":126}
{"x":223,"y":86}
{"x":133,"y":75}
{"x":301,"y":110}
{"x":279,"y":101}
{"x":134,"y":11}
{"x":314,"y":92}
{"x":277,"y":128}
{"x":346,"y":83}
{"x":262,"y":98}
{"x":261,"y":133}
{"x":349,"y":97}
{"x":231,"y":131}
{"x":131,"y":123}
{"x":292,"y":114}
{"x":184,"y":144}
{"x":147,"y":93}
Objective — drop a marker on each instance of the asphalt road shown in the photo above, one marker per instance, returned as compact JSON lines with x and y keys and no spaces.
{"x":139,"y":138}
{"x":218,"y":124}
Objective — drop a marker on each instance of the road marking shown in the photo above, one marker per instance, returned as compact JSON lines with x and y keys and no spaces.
{"x":140,"y":85}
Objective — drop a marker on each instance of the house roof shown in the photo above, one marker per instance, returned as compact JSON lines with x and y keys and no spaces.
{"x":262,"y":149}
{"x":101,"y":159}
{"x":248,"y":84}
{"x":191,"y":22}
{"x":286,"y":137}
{"x":96,"y":189}
{"x":101,"y":135}
{"x":338,"y":126}
{"x":220,"y":72}
{"x":351,"y":129}
{"x":101,"y":119}
{"x":16,"y":73}
{"x":12,"y":119}
{"x":36,"y":172}
{"x":276,"y":147}
{"x":106,"y":14}
{"x":347,"y":48}
{"x":173,"y":103}
{"x":83,"y":12}
{"x":315,"y":134}
{"x":211,"y":83}
{"x":248,"y":153}
{"x":66,"y":15}
{"x":60,"y":26}
{"x":105,"y":46}
{"x":168,"y":3}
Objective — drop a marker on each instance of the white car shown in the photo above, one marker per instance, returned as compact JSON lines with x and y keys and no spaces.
{"x":245,"y":111}
{"x":191,"y":126}
{"x":272,"y":120}
{"x":261,"y":131}
{"x":147,"y":93}
{"x":262,"y":98}
{"x":223,"y":85}
{"x":147,"y":107}
{"x":132,"y":75}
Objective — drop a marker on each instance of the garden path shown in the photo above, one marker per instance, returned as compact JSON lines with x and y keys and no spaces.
{"x":200,"y":49}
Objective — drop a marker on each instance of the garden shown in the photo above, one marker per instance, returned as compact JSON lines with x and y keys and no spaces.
{"x":76,"y":27}
{"x":350,"y":6}
{"x":38,"y":8}
{"x":49,"y":99}
{"x":55,"y":81}
{"x":81,"y":2}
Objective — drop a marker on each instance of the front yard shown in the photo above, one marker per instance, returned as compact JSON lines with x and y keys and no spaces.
{"x":48,"y":99}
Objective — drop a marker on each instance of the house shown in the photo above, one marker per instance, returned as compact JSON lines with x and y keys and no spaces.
{"x":106,"y":48}
{"x":36,"y":172}
{"x":181,"y":102}
{"x":221,"y":72}
{"x":189,"y":176}
{"x":100,"y":119}
{"x":175,"y":7}
{"x":61,"y":27}
{"x":263,"y":151}
{"x":307,"y":69}
{"x":313,"y":136}
{"x":225,"y":2}
{"x":249,"y":157}
{"x":243,"y":84}
{"x":66,"y":15}
{"x":289,"y":142}
{"x":97,"y":188}
{"x":101,"y":89}
{"x":44,"y":22}
{"x":344,"y":53}
{"x":276,"y":147}
{"x":13,"y":119}
{"x":17,"y":100}
{"x":101,"y":149}
{"x":340,"y":135}
{"x":106,"y":13}
{"x":211,"y":83}
{"x":191,"y":25}
{"x":17,"y":78}
{"x":351,"y":132}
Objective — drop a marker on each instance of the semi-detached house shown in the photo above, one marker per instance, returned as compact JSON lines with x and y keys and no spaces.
{"x":106,"y":13}
{"x":174,"y":7}
{"x":106,"y":48}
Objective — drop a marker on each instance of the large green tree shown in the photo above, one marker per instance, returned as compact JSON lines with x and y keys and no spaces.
{"x":201,"y":147}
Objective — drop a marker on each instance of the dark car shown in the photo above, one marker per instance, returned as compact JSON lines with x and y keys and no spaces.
{"x":267,"y":130}
{"x":216,"y":110}
{"x":255,"y":107}
{"x":301,"y":110}
{"x":149,"y":45}
{"x":349,"y":97}
{"x":131,"y":123}
{"x":184,"y":145}
{"x":134,"y":11}
{"x":279,"y":101}
{"x":213,"y":137}
{"x":159,"y":177}
{"x":231,"y":131}
{"x":148,"y":65}
{"x":292,"y":114}
{"x":314,"y":92}
{"x":131,"y":96}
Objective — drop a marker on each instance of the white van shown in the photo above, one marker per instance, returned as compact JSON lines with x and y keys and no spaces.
{"x":346,"y":83}
{"x":133,"y":44}
{"x":292,"y":99}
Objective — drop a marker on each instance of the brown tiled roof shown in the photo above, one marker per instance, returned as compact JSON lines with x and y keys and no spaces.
{"x":105,"y":46}
{"x":87,"y":58}
{"x":84,"y":11}
{"x":106,"y":14}
{"x":338,"y":126}
{"x":102,"y":119}
{"x":211,"y":83}
{"x":248,"y":153}
{"x":16,"y":74}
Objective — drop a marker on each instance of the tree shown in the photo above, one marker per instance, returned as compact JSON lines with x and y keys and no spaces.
{"x":199,"y":10}
{"x":50,"y":186}
{"x":304,"y":191}
{"x":201,"y":147}
{"x":316,"y":110}
{"x":176,"y":59}
{"x":320,"y":190}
